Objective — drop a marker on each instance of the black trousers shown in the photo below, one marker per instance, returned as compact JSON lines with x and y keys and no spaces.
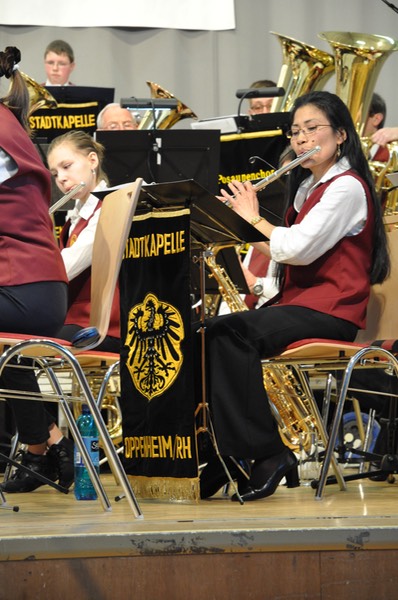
{"x":37,"y":309}
{"x":234,"y":346}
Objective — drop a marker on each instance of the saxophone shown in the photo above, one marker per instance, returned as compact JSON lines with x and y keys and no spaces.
{"x":289,"y":397}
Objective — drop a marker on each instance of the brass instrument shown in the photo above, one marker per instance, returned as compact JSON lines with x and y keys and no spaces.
{"x":164,"y":119}
{"x":304,"y":69}
{"x":38,"y":95}
{"x":358,"y":61}
{"x":387,"y":192}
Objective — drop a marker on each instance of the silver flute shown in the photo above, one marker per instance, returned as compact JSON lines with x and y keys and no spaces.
{"x":260,"y":185}
{"x":57,"y":205}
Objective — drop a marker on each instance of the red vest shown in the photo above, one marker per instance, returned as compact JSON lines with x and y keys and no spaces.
{"x":258,"y":265}
{"x":382,"y":154}
{"x":79,"y":293}
{"x":28,"y":249}
{"x":337,"y":283}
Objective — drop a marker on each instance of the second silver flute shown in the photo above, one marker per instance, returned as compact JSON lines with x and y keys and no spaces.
{"x":65,"y":198}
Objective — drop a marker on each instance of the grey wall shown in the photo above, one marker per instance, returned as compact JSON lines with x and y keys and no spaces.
{"x":204,"y":69}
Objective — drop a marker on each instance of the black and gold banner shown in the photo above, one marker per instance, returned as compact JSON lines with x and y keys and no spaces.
{"x":49,"y":123}
{"x":157,"y":399}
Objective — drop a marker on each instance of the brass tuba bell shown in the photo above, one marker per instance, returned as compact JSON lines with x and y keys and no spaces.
{"x":38,"y":95}
{"x":164,"y":119}
{"x":304,"y":69}
{"x":358,"y":61}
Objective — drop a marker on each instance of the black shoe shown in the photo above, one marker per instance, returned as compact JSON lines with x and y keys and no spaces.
{"x":379,"y":475}
{"x":22,"y":481}
{"x":267,"y":475}
{"x":213,"y":477}
{"x":61,"y":457}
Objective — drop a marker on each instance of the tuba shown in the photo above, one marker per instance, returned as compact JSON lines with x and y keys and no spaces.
{"x":358,"y":60}
{"x":39,"y":97}
{"x":304,"y":69}
{"x":164,"y":119}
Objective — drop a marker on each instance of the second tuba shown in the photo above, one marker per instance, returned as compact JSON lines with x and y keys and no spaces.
{"x":358,"y":61}
{"x":304,"y":69}
{"x":164,"y":119}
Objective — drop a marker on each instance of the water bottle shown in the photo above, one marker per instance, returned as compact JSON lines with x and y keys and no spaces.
{"x":84,"y":489}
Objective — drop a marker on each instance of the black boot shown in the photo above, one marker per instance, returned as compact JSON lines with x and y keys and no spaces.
{"x":61,"y":458}
{"x":22,"y":481}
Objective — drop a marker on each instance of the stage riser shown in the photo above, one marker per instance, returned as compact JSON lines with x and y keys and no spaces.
{"x":311,"y":575}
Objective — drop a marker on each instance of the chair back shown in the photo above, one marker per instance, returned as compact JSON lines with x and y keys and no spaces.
{"x":112,"y":231}
{"x":382,"y":313}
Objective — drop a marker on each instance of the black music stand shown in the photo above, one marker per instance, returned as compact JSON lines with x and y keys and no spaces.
{"x":161,"y":156}
{"x":213,"y":224}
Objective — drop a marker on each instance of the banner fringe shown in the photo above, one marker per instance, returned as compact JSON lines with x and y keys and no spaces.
{"x":169,"y":489}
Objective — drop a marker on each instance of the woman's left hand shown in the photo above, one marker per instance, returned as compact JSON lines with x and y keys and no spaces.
{"x":243,"y":199}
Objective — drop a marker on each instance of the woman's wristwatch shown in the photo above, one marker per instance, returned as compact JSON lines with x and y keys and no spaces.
{"x":258,"y":287}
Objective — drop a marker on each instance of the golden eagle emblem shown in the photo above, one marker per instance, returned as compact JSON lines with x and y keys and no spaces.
{"x":154,"y":335}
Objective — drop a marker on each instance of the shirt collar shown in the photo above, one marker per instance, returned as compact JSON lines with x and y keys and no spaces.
{"x":84,"y":210}
{"x":307,"y":186}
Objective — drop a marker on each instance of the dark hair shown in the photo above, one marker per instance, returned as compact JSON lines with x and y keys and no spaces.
{"x":17,"y":99}
{"x":338,"y":115}
{"x":377,"y":105}
{"x":60,"y":47}
{"x":263,"y":83}
{"x":84,"y":143}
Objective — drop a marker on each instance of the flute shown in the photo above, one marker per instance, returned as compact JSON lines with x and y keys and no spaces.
{"x":260,"y":185}
{"x":57,"y":205}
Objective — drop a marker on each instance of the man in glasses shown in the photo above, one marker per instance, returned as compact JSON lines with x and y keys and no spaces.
{"x":115,"y":118}
{"x":260,"y":106}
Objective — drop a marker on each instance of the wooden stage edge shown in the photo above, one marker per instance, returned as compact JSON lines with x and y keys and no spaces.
{"x":288,"y":546}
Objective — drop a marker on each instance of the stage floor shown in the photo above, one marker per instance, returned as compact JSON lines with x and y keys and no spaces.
{"x":54,"y":525}
{"x":289,"y":546}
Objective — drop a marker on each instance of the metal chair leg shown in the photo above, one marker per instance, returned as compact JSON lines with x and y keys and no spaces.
{"x":71,"y":360}
{"x":329,"y":453}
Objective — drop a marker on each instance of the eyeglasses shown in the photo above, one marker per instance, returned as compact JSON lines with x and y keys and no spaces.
{"x":125,"y":125}
{"x":261,"y":107}
{"x":60,"y":64}
{"x":307,"y":131}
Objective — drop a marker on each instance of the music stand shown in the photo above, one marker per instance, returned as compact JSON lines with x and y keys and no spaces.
{"x":213,"y":224}
{"x":162,"y":156}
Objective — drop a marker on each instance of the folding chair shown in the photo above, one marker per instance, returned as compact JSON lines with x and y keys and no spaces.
{"x":318,"y":356}
{"x":382,"y":328}
{"x":53,"y":357}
